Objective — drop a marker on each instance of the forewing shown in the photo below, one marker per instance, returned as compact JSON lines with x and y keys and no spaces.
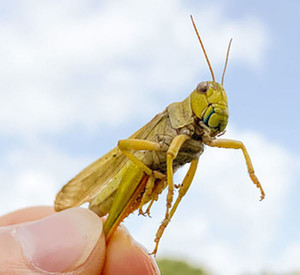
{"x":90,"y":181}
{"x":144,"y":132}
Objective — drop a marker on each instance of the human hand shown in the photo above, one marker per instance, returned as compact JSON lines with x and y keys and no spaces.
{"x":38,"y":240}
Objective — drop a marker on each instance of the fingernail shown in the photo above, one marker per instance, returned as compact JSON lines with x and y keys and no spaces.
{"x":60,"y":242}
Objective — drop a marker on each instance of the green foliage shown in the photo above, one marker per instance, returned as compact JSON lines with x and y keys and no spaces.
{"x":176,"y":267}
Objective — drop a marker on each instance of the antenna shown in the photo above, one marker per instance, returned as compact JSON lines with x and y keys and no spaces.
{"x":226,"y":61}
{"x":202,"y":46}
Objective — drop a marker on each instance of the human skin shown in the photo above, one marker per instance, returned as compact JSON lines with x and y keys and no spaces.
{"x":38,"y":240}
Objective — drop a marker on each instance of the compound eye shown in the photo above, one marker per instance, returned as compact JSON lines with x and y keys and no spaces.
{"x":202,"y":87}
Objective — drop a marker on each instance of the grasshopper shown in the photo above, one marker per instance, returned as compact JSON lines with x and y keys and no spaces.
{"x":136,"y":172}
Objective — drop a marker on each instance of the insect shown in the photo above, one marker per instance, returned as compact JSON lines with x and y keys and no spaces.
{"x":135,"y":172}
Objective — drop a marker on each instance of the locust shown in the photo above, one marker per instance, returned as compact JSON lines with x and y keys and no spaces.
{"x":135,"y":173}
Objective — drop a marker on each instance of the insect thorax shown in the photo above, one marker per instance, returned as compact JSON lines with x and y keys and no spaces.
{"x":190,"y":150}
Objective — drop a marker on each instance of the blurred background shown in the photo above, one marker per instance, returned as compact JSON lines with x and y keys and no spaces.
{"x":77,"y":76}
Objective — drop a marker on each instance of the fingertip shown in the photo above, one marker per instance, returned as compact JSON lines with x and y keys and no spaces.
{"x":71,"y":240}
{"x":125,"y":256}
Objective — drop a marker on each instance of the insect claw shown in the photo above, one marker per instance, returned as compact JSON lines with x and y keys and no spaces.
{"x":257,"y":183}
{"x":155,"y":248}
{"x":153,"y":252}
{"x":141,"y":212}
{"x":177,"y":185}
{"x":145,"y":213}
{"x":148,"y":213}
{"x":262,"y":196}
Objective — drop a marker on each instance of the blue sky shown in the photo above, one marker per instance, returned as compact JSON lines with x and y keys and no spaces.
{"x":76,"y":76}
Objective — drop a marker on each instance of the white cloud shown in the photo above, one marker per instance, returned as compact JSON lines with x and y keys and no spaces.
{"x":65,"y":65}
{"x":289,"y":260}
{"x":73,"y":64}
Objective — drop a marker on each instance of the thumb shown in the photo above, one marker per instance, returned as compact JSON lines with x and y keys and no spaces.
{"x":71,"y":240}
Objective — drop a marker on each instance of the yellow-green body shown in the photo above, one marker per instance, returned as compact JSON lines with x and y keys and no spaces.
{"x":178,"y":117}
{"x":200,"y":114}
{"x":140,"y":167}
